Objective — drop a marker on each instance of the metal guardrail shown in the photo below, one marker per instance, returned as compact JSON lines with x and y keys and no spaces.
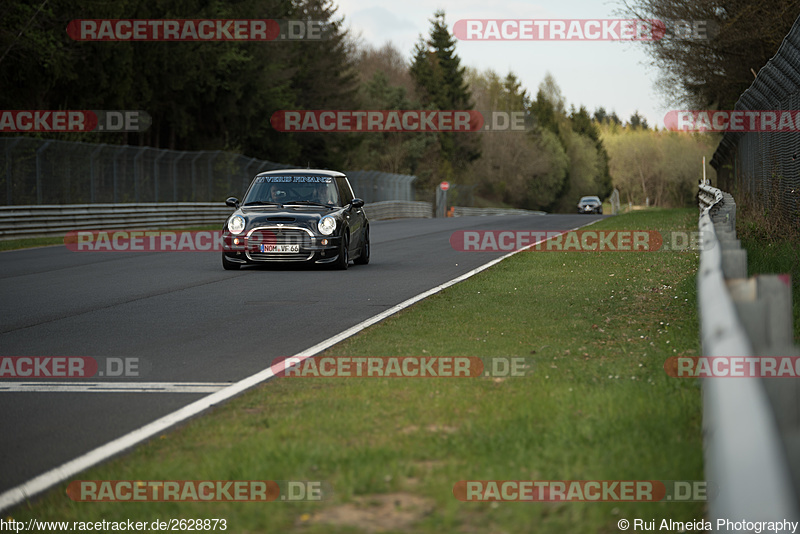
{"x":41,"y":221}
{"x":18,"y":222}
{"x":709,"y":196}
{"x":397,"y":209}
{"x":459,"y":211}
{"x":750,"y":449}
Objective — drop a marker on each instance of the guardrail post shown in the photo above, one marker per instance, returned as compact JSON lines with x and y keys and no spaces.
{"x":137,"y":175}
{"x":210,"y":180}
{"x":246,"y":179}
{"x":734,"y":263}
{"x":68,"y":178}
{"x":734,"y":257}
{"x":92,"y":178}
{"x":9,"y":189}
{"x":39,"y":171}
{"x":396,"y":194}
{"x":116,"y":154}
{"x":355,"y":181}
{"x":194,"y":172}
{"x":175,"y":176}
{"x":262,"y":164}
{"x":764,"y":304}
{"x":156,"y":174}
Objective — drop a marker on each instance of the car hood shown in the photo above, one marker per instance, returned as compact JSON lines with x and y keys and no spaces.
{"x":266,"y":215}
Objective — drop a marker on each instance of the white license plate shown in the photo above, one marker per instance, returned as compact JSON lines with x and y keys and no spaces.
{"x":280,"y":249}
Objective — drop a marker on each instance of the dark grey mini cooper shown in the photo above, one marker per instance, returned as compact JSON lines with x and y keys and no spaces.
{"x":297,"y":215}
{"x":590,"y":205}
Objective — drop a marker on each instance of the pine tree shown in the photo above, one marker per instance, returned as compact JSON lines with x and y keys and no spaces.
{"x":441,"y":84}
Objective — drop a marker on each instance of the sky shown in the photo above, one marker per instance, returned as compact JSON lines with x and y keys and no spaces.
{"x":614,"y":75}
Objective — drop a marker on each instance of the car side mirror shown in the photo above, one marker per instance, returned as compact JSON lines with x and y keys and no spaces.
{"x":357,"y":202}
{"x":232,"y":202}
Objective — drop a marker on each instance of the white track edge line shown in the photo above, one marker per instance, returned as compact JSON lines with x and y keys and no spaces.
{"x":111,"y":387}
{"x":61,"y":473}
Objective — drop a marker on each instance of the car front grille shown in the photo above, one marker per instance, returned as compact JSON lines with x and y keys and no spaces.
{"x":280,"y":236}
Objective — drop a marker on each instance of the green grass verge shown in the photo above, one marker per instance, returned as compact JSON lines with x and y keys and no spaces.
{"x":31,"y":242}
{"x":596,"y":329}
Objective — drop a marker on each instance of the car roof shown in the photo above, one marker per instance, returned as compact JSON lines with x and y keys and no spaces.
{"x":301,"y":171}
{"x":591,"y":197}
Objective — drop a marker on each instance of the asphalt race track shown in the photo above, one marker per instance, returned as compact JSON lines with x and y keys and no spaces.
{"x":188,"y":321}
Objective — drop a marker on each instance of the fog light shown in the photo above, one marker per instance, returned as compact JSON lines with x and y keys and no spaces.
{"x":324,"y":241}
{"x":236,"y":241}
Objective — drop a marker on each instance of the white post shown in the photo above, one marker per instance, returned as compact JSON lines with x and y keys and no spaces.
{"x":705,"y":181}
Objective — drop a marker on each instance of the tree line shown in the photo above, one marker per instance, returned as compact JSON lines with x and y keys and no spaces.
{"x":221,"y":95}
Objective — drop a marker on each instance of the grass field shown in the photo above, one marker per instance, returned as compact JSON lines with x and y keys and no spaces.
{"x":595,"y":404}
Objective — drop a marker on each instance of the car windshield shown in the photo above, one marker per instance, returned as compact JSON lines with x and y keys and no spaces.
{"x":288,"y":189}
{"x":586,"y":200}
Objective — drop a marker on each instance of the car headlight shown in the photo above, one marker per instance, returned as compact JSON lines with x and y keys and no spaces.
{"x":236,"y":224}
{"x":326,"y":225}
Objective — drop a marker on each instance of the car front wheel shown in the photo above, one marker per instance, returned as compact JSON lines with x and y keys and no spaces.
{"x":363,"y":257}
{"x":344,"y":256}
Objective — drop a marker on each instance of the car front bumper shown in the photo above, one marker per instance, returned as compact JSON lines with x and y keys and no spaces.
{"x":311,"y":247}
